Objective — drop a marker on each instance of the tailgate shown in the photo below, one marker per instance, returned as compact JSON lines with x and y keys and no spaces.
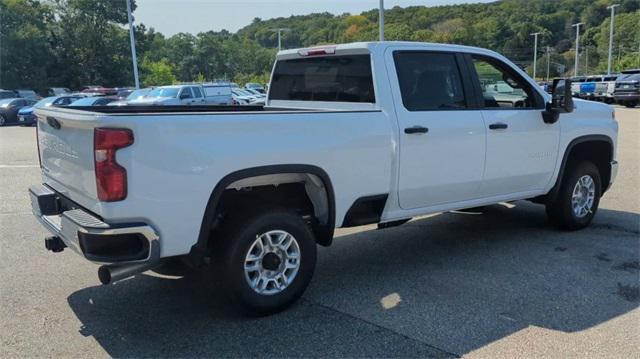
{"x":65,"y":142}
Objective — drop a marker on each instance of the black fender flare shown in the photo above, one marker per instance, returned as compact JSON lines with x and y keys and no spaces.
{"x":553,"y":193}
{"x":324,"y":234}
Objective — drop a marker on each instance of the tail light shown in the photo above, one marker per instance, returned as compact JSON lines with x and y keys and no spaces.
{"x":111,"y":178}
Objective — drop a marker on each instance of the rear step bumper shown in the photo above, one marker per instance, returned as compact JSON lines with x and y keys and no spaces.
{"x":117,"y":245}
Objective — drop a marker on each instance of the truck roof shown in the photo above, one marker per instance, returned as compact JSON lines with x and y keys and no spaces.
{"x":381,"y":46}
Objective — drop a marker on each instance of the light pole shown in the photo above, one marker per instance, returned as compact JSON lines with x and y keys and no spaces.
{"x":279,"y":31}
{"x":613,"y":14}
{"x":577,"y":26}
{"x":548,"y":62}
{"x":535,"y":52}
{"x":134,"y":59}
{"x":381,"y":18}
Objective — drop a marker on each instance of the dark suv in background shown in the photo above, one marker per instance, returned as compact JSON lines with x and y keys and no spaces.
{"x":627,"y":91}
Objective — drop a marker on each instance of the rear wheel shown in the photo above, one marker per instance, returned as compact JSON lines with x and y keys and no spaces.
{"x":578,"y":199}
{"x":631,"y":104}
{"x":267,"y":261}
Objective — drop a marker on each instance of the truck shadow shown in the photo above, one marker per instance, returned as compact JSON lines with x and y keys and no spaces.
{"x":440,"y":286}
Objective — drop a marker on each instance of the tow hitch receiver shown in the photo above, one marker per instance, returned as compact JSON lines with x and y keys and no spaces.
{"x":54,"y":244}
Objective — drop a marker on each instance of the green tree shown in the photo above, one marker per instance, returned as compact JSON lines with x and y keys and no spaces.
{"x":156,"y":73}
{"x":25,"y":52}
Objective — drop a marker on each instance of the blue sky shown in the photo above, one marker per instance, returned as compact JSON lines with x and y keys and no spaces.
{"x":173,"y":16}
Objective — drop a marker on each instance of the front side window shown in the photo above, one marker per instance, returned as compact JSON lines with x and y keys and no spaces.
{"x":186,"y":93}
{"x":429,"y":81}
{"x":345,"y":78}
{"x":196,"y":92}
{"x":501,"y":88}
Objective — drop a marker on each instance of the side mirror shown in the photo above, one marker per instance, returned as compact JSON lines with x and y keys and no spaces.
{"x":561,"y":101}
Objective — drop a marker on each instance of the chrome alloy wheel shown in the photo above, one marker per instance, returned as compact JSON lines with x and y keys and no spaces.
{"x":583,"y":195}
{"x":272,"y":262}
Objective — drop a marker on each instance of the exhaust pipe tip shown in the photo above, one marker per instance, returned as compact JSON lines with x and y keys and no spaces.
{"x":104,"y":274}
{"x":109,"y":274}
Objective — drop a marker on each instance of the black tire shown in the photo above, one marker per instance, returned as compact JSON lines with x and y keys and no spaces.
{"x":239,"y":236}
{"x":3,"y":120}
{"x":631,"y":104}
{"x":560,"y":212}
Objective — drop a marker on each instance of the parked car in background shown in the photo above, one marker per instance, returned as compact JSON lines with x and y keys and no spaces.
{"x":173,"y":95}
{"x":609,"y":87}
{"x":134,"y":95}
{"x":93,"y":101}
{"x":255,"y":86}
{"x":9,"y":108}
{"x":260,"y":98}
{"x":627,"y":90}
{"x":124,"y":93}
{"x":7,"y":94}
{"x":243,"y":97}
{"x":58,"y":91}
{"x":218,"y":93}
{"x":575,"y":85}
{"x":104,"y":91}
{"x":28,"y":94}
{"x":26,"y":115}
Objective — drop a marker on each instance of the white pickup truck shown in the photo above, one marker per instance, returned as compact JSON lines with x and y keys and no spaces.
{"x":351,"y":134}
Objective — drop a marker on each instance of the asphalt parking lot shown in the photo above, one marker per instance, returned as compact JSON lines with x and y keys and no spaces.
{"x":496,"y":282}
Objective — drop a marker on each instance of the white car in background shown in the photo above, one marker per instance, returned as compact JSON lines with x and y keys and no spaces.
{"x":218,"y":93}
{"x":260,"y":98}
{"x":243,"y":97}
{"x":172,"y":96}
{"x":133,"y":96}
{"x":255,"y":86}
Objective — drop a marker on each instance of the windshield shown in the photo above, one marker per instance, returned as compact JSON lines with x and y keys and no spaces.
{"x":5,"y":101}
{"x":137,"y":94}
{"x":241,"y":93}
{"x":164,"y":92}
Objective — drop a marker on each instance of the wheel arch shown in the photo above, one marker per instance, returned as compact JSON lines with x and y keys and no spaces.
{"x":572,"y":152}
{"x":323,"y":233}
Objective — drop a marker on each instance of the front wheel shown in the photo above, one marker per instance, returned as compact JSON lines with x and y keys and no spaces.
{"x":3,"y":120}
{"x":268,"y":261}
{"x":578,"y":199}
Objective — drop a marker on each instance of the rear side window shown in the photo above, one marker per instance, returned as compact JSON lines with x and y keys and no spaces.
{"x":429,"y":81}
{"x":332,"y":78}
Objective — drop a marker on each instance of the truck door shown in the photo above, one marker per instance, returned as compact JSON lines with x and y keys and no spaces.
{"x":186,"y":97}
{"x":442,"y":134}
{"x":521,"y":148}
{"x":198,"y":98}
